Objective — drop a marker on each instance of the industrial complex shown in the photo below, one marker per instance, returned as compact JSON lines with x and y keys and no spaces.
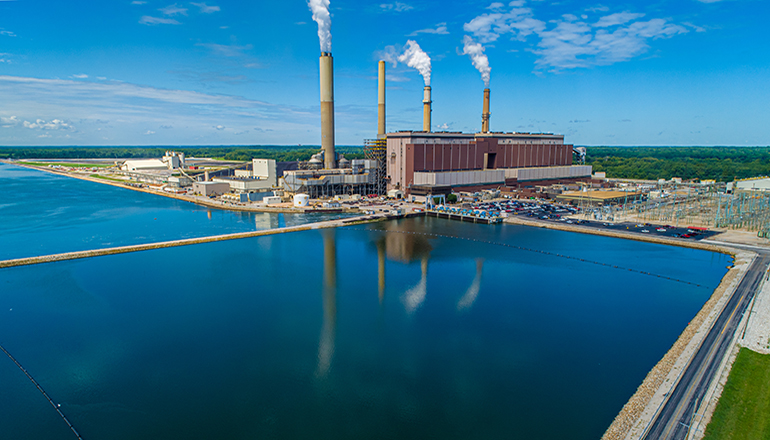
{"x":423,"y":163}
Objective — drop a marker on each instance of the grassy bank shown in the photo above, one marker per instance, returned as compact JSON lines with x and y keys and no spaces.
{"x":743,"y":411}
{"x":65,"y":164}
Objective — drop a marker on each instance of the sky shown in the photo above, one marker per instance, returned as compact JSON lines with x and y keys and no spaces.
{"x":658,"y":72}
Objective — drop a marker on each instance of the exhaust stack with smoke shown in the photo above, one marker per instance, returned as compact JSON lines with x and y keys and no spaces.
{"x":426,"y":103}
{"x":381,"y":101}
{"x":327,"y":109}
{"x":485,"y":113}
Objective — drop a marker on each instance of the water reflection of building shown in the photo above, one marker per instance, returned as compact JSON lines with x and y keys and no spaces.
{"x":396,"y":246}
{"x":265,"y":220}
{"x":404,"y":248}
{"x":329,"y":329}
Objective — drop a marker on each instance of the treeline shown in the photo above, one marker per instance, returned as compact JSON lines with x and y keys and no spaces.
{"x":722,"y":164}
{"x":279,"y":153}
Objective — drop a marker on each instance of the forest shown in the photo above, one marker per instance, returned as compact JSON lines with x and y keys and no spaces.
{"x":649,"y":163}
{"x":723,"y":164}
{"x":279,"y":153}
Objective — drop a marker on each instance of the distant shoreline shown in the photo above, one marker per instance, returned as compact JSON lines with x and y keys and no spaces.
{"x":195,"y":200}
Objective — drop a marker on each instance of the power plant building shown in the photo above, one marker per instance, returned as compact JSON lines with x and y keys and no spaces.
{"x":419,"y":162}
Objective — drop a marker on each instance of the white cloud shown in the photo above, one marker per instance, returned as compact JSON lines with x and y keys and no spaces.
{"x":519,"y":22}
{"x":125,"y":111}
{"x":6,"y":33}
{"x":172,"y":10}
{"x":616,"y":19}
{"x":396,"y":7}
{"x":138,"y":2}
{"x":573,"y":44}
{"x":440,"y":29}
{"x":148,"y":132}
{"x":80,"y":76}
{"x":226,"y":50}
{"x":206,"y":9}
{"x":9,"y":122}
{"x":151,"y":21}
{"x":694,"y":27}
{"x":709,"y":1}
{"x":40,"y":124}
{"x":220,"y":127}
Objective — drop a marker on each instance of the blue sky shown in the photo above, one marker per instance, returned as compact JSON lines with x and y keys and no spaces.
{"x":660,"y":72}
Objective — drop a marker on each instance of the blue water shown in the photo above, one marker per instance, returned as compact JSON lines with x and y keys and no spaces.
{"x":43,"y":213}
{"x":293,"y":336}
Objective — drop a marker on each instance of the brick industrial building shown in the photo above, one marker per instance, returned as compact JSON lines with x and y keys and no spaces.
{"x":425,"y":162}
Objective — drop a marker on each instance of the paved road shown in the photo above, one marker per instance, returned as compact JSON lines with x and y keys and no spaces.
{"x":673,"y":420}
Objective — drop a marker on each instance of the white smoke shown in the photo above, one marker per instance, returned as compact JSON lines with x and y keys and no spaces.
{"x":320,"y":9}
{"x":480,"y":61}
{"x":414,"y":57}
{"x":389,"y":55}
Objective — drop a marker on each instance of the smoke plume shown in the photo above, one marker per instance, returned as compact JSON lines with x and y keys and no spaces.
{"x":320,"y":9}
{"x":479,"y":59}
{"x":414,"y":57}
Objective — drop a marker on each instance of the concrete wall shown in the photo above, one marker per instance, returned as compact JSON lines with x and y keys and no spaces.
{"x":244,"y":184}
{"x":211,"y":188}
{"x":460,"y":178}
{"x":265,"y":169}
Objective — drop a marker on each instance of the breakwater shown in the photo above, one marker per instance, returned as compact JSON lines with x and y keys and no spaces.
{"x":189,"y":241}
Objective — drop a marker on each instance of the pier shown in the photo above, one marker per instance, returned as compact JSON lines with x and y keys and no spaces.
{"x":464,"y":216}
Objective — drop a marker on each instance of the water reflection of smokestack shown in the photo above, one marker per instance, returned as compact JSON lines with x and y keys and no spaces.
{"x":381,"y":269}
{"x":473,"y":291}
{"x":414,"y":297}
{"x":328,"y":331}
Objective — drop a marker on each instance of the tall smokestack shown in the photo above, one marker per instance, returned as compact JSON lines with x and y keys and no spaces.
{"x":426,"y":110}
{"x":327,"y":109}
{"x":485,"y":113}
{"x":381,"y":101}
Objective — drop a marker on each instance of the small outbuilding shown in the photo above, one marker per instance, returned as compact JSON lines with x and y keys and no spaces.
{"x":395,"y":194}
{"x":211,"y":188}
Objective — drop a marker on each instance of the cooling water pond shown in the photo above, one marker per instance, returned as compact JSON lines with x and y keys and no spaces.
{"x":416,"y":328}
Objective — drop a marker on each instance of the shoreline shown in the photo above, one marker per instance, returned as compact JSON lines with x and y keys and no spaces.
{"x":195,"y":200}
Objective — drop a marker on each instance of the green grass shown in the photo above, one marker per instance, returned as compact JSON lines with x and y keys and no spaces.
{"x":70,"y":165}
{"x":743,"y":411}
{"x":97,"y":176}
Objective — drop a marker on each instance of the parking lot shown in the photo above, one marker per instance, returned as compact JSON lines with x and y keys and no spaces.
{"x":555,"y":213}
